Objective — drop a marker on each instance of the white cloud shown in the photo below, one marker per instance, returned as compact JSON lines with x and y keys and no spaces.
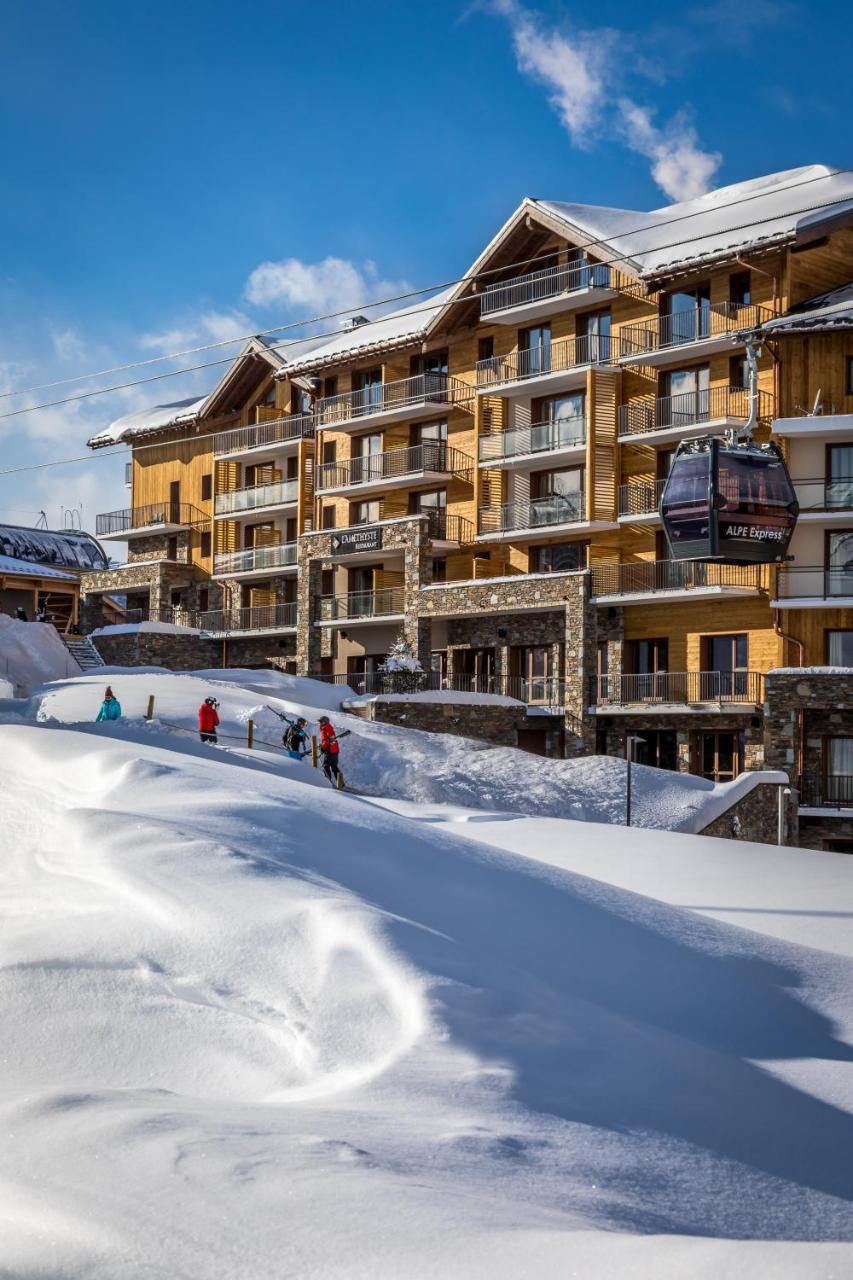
{"x":68,"y":345}
{"x":207,"y":326}
{"x":315,"y":288}
{"x":579,"y":71}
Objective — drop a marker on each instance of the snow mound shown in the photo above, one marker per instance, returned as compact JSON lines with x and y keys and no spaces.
{"x":128,"y":628}
{"x":32,"y":653}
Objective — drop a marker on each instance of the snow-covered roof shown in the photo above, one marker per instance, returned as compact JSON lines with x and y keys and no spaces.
{"x":10,"y":564}
{"x":833,"y":310}
{"x":65,"y":548}
{"x":392,"y":330}
{"x":157,"y":417}
{"x":743,"y":217}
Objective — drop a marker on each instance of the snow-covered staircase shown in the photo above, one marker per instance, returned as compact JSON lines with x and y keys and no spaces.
{"x":83,"y":651}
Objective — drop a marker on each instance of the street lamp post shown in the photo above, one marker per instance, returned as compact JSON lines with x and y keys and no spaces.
{"x":630,"y":743}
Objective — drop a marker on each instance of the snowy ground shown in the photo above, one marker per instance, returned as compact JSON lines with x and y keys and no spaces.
{"x":253,"y":1027}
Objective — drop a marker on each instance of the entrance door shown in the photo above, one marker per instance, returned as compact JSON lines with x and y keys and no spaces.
{"x":657,"y":748}
{"x":534,"y":350}
{"x":685,"y":397}
{"x":175,"y":502}
{"x":685,"y":315}
{"x":721,"y":755}
{"x":647,"y":665}
{"x":535,"y":667}
{"x":726,"y":667}
{"x":476,"y":669}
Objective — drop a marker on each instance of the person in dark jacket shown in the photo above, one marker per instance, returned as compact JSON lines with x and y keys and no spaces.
{"x":208,"y":720}
{"x":110,"y":707}
{"x":21,"y":613}
{"x":296,"y":739}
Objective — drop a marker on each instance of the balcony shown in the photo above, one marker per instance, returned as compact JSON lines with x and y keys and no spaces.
{"x":155,"y":518}
{"x":813,"y":588}
{"x":260,"y":497}
{"x":363,"y":606}
{"x":545,"y":292}
{"x":668,"y":419}
{"x":639,"y":502}
{"x":430,"y":462}
{"x":673,"y":579}
{"x":543,"y":513}
{"x":687,"y":334}
{"x":244,"y":441}
{"x":663,"y":690}
{"x":825,"y":501}
{"x":255,"y":560}
{"x":270,"y":617}
{"x":826,"y":791}
{"x":559,"y":366}
{"x":520,"y":446}
{"x":426,"y":395}
{"x":837,"y":426}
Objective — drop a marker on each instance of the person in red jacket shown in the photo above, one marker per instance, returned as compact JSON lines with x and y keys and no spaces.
{"x":330,"y":749}
{"x":208,"y":720}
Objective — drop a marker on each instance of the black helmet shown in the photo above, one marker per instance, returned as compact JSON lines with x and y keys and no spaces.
{"x":211,"y":702}
{"x":301,"y":720}
{"x":323,"y":720}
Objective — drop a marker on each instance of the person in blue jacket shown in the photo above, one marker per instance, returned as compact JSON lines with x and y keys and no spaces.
{"x":110,"y":707}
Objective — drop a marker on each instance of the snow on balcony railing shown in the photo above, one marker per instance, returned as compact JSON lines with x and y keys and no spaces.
{"x":549,"y":282}
{"x":689,"y":409}
{"x":550,"y":357}
{"x":696,"y":324}
{"x":424,"y":389}
{"x":541,"y":513}
{"x":276,"y":557}
{"x":282,"y":493}
{"x":295,"y":426}
{"x":540,"y":437}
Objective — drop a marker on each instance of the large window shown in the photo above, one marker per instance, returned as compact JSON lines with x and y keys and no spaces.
{"x":838,"y":770}
{"x":685,"y":315}
{"x":839,"y":476}
{"x":536,"y":344}
{"x":686,"y":396}
{"x":364,"y":512}
{"x":557,"y":496}
{"x":725,"y":659}
{"x":559,"y":558}
{"x":658,"y":748}
{"x":839,"y":563}
{"x":368,"y":382}
{"x":593,"y":331}
{"x":533,"y":667}
{"x":646,"y":665}
{"x":366,"y":463}
{"x":839,"y":648}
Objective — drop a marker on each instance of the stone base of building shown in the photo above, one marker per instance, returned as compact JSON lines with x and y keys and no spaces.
{"x":827,"y":833}
{"x":500,"y":726}
{"x":181,"y":651}
{"x":755,"y":817}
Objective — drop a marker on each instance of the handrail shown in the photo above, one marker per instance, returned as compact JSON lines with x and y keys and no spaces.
{"x":293,"y":426}
{"x":679,"y":328}
{"x":822,"y":494}
{"x":685,"y":687}
{"x":689,"y":408}
{"x":274,"y":557}
{"x":438,"y":389}
{"x":640,"y":498}
{"x":552,"y":357}
{"x":539,"y":437}
{"x":813,"y":582}
{"x":535,"y":691}
{"x":281,"y":493}
{"x":433,"y":456}
{"x":641,"y":577}
{"x":154,"y":515}
{"x":267,"y":617}
{"x":548,"y":282}
{"x":363,"y":604}
{"x":826,"y":791}
{"x":540,"y":513}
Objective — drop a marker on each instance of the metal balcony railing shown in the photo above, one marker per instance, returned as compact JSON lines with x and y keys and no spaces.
{"x":549,"y":282}
{"x":153,"y":516}
{"x":276,"y":557}
{"x":642,"y":577}
{"x":438,"y":389}
{"x":689,"y":688}
{"x":293,"y":426}
{"x":539,"y":514}
{"x":269,"y":617}
{"x":689,"y":409}
{"x":532,"y":690}
{"x":825,"y":495}
{"x":283,"y":493}
{"x":540,"y":437}
{"x":446,"y":526}
{"x":797,"y":582}
{"x":552,"y":357}
{"x":680,"y":328}
{"x":431,"y":457}
{"x":639,"y":499}
{"x":826,"y":791}
{"x":362,"y":604}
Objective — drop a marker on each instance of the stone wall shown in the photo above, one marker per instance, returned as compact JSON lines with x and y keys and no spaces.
{"x":686,"y":726}
{"x":501,"y":726}
{"x":181,"y":651}
{"x":755,"y":817}
{"x":820,"y":832}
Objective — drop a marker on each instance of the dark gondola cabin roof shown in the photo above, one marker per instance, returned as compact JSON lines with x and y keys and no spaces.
{"x":58,"y":549}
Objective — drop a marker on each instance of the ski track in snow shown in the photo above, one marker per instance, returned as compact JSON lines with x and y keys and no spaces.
{"x":253,"y":1027}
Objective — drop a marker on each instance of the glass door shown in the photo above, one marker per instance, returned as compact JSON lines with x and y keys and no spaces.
{"x":367,"y":459}
{"x":839,"y":477}
{"x":368,"y":384}
{"x":685,"y":315}
{"x":535,"y":667}
{"x":535,"y":344}
{"x":593,"y":338}
{"x":721,"y":755}
{"x":839,"y":563}
{"x":727,"y":662}
{"x":685,"y":397}
{"x":838,"y":767}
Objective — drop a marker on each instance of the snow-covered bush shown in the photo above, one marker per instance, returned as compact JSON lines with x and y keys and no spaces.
{"x":401,"y":672}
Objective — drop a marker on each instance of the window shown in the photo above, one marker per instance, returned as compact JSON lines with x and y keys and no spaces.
{"x":428,"y":433}
{"x":366,"y":461}
{"x":646,"y":657}
{"x":558,"y":558}
{"x":205,"y":545}
{"x":330,"y":451}
{"x":433,"y":362}
{"x":534,"y":346}
{"x":533,"y":665}
{"x":738,"y":372}
{"x":172,"y":549}
{"x":439,"y":570}
{"x":206,"y":488}
{"x":474,"y":670}
{"x":433,"y":500}
{"x":330,"y":386}
{"x":269,"y":396}
{"x":839,"y":476}
{"x":839,"y":648}
{"x":838,"y":770}
{"x":593,"y":340}
{"x":740,"y":288}
{"x":839,"y":563}
{"x":328,"y":517}
{"x":558,"y":421}
{"x":837,"y":845}
{"x":364,"y":512}
{"x":438,"y":666}
{"x":327,"y":582}
{"x":300,"y":400}
{"x":485,"y":348}
{"x":725,"y":661}
{"x":203,"y":599}
{"x":176,"y":599}
{"x":685,"y":315}
{"x":720,"y":756}
{"x":558,"y":495}
{"x":657,"y":747}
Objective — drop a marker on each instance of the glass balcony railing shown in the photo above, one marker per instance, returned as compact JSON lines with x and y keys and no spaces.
{"x":825,"y":495}
{"x":362,"y":604}
{"x":281,"y":494}
{"x":540,"y":437}
{"x":540,"y":514}
{"x":797,"y":582}
{"x":277,"y":557}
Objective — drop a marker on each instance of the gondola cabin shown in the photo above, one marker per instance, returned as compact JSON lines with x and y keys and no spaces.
{"x":729,"y":502}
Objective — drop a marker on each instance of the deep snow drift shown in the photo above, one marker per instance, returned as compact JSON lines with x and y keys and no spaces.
{"x":253,"y":1027}
{"x":30,"y":654}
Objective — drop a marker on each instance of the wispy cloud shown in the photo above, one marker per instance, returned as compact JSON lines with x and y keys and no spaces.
{"x":205,"y":326}
{"x":579,"y":69}
{"x":314,"y":288}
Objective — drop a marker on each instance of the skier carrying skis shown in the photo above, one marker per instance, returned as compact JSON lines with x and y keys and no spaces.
{"x":208,"y":720}
{"x":295,"y":737}
{"x":110,"y":707}
{"x":330,"y":750}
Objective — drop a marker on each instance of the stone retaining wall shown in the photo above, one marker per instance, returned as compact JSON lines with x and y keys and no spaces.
{"x":755,"y":817}
{"x":179,"y":651}
{"x":500,"y":726}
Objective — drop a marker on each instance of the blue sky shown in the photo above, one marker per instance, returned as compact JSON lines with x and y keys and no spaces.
{"x":155,"y":156}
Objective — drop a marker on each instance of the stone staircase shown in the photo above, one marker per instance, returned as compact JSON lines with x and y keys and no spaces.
{"x":83,"y":652}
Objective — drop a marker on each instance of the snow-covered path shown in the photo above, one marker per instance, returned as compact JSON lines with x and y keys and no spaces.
{"x":253,"y":1027}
